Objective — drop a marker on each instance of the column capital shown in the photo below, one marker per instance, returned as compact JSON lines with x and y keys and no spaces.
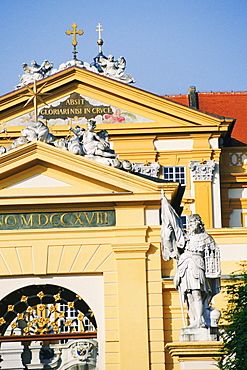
{"x":202,"y":171}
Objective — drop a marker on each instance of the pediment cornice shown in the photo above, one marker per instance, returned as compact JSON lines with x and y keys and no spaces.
{"x":166,"y":114}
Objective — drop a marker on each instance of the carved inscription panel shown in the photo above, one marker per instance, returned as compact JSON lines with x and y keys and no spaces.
{"x":48,"y":220}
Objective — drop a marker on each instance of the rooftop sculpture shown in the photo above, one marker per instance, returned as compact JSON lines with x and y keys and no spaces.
{"x":104,"y":65}
{"x":84,"y":142}
{"x":34,"y":72}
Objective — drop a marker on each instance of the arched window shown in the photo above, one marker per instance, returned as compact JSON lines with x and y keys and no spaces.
{"x":46,"y":310}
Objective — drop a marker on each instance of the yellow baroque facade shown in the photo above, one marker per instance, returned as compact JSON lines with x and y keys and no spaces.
{"x":78,"y":234}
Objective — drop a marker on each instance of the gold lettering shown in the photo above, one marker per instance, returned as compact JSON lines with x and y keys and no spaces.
{"x":51,"y":219}
{"x":106,"y":218}
{"x":7,"y":221}
{"x":99,"y":110}
{"x":27,"y":222}
{"x":102,"y":218}
{"x":40,"y":220}
{"x":86,"y":110}
{"x":1,"y":221}
{"x":87,"y":218}
{"x":62,"y":219}
{"x":74,"y":101}
{"x":72,"y":111}
{"x":78,"y":219}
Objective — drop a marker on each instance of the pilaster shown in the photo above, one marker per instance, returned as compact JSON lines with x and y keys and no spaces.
{"x":132,"y":303}
{"x":202,"y":174}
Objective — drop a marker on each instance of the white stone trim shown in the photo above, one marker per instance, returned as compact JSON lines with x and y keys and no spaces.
{"x":233,"y":252}
{"x":217,"y":219}
{"x":198,"y":365}
{"x":173,"y":145}
{"x":152,"y":217}
{"x":235,"y":219}
{"x":214,"y":143}
{"x":38,"y":181}
{"x":237,"y":193}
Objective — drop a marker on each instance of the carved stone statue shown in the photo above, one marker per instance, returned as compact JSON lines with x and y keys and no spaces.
{"x":94,"y":144}
{"x":198,"y":264}
{"x":106,"y":66}
{"x":111,"y":68}
{"x":38,"y":131}
{"x":34,"y":72}
{"x":84,"y":142}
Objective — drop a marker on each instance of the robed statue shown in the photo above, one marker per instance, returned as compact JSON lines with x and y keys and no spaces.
{"x":197,"y":276}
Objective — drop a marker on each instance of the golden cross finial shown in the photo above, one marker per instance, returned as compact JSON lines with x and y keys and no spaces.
{"x":35,"y":96}
{"x":100,"y":41}
{"x":74,"y":33}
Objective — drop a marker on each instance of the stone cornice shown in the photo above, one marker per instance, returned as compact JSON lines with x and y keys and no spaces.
{"x":130,"y":250}
{"x":194,"y":350}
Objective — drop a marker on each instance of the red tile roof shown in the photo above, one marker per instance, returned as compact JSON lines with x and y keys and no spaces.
{"x":228,"y":104}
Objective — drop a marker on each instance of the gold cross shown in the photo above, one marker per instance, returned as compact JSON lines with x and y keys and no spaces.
{"x":35,"y":96}
{"x":74,"y":33}
{"x":99,"y":29}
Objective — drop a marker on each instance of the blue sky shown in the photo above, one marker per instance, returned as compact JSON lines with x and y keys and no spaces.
{"x":169,"y":45}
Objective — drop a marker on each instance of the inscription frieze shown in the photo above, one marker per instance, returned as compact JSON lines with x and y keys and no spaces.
{"x":46,"y":220}
{"x":75,"y":105}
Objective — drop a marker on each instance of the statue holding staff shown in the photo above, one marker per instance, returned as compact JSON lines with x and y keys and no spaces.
{"x":198,"y":264}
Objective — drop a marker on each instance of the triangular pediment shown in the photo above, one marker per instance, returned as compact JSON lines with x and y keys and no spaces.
{"x":40,"y":170}
{"x":75,"y":94}
{"x":38,"y":181}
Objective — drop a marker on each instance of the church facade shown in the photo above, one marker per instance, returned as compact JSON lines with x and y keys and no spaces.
{"x":83,"y":282}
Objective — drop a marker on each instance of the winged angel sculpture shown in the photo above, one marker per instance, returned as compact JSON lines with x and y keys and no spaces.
{"x":34,"y":72}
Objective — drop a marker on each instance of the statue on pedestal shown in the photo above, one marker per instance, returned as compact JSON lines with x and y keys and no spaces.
{"x":198,"y":265}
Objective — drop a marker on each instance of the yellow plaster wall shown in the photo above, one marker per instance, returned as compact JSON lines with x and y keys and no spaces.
{"x":142,"y":311}
{"x":132,"y":280}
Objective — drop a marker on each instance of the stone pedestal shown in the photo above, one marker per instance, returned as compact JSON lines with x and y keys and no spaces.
{"x":11,"y":356}
{"x":195,"y":355}
{"x":199,"y":334}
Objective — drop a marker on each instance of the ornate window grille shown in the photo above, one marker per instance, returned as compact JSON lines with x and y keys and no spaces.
{"x":45,"y":310}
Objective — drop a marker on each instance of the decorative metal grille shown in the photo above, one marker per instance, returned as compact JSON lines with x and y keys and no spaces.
{"x":43,"y":310}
